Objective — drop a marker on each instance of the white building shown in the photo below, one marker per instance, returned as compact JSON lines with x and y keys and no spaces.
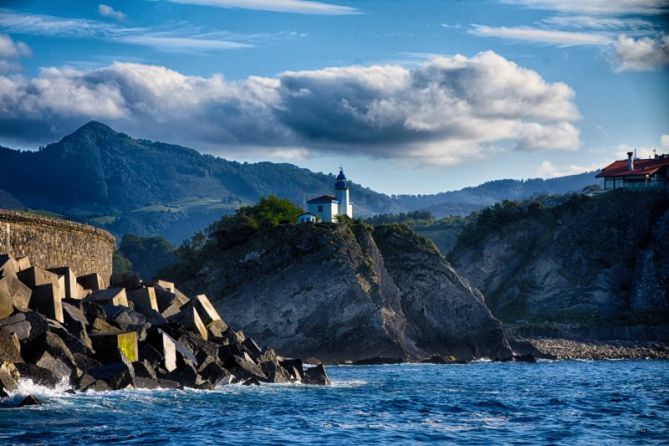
{"x":327,"y":208}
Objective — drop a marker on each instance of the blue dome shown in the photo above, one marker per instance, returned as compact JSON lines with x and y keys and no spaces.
{"x":341,"y":180}
{"x":341,"y":176}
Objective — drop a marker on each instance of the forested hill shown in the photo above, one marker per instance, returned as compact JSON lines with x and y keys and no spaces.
{"x":97,"y":169}
{"x":127,"y":185}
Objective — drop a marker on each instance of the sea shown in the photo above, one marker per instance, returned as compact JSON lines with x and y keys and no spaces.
{"x":482,"y":403}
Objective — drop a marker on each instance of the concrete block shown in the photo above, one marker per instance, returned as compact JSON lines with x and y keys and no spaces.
{"x":112,"y":296}
{"x":107,"y":345}
{"x":125,"y":280}
{"x":143,"y":298}
{"x":72,"y":288}
{"x":6,"y":302}
{"x":190,"y":318}
{"x":8,"y":265}
{"x":167,"y":286}
{"x":182,"y":299}
{"x":206,"y":310}
{"x":19,"y":292}
{"x":91,"y":282}
{"x":23,"y":262}
{"x":46,"y":299}
{"x":34,"y":277}
{"x":55,"y":366}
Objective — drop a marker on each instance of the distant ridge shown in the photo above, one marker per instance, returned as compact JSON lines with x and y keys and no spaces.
{"x":126,"y":185}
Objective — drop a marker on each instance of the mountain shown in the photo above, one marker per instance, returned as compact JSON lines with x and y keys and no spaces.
{"x":599,"y":263}
{"x":135,"y":186}
{"x":462,"y":202}
{"x":345,"y":292}
{"x":125,"y":185}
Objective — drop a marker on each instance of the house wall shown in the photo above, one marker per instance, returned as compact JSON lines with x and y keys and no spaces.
{"x":328,"y":213}
{"x":52,"y":242}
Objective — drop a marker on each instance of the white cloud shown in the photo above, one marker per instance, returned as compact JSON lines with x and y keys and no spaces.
{"x":108,"y":11}
{"x":173,"y":40}
{"x":664,"y":140}
{"x":606,"y":7}
{"x":550,"y":36}
{"x":598,"y":22}
{"x":549,"y":170}
{"x":10,"y":53}
{"x":291,"y":6}
{"x":445,"y":110}
{"x":12,"y":49}
{"x":643,"y":54}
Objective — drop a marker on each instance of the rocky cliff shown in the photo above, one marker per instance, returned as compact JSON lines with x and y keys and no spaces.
{"x":350,"y":292}
{"x":600,"y":261}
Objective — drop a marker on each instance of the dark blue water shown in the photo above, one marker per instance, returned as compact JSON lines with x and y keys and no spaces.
{"x":569,"y":402}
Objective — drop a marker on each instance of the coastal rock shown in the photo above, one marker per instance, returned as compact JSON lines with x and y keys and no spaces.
{"x":350,"y":292}
{"x":316,"y":375}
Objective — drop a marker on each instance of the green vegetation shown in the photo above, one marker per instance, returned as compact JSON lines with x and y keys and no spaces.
{"x":235,"y":229}
{"x":408,"y":218}
{"x":231,"y":231}
{"x":145,"y":255}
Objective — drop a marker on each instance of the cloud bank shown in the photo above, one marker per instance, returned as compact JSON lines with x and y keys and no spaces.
{"x":644,"y":54}
{"x":608,"y":7}
{"x":446,"y":110}
{"x":290,"y":6}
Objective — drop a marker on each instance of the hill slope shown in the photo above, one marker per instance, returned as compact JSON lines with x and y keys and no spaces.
{"x":594,"y":260}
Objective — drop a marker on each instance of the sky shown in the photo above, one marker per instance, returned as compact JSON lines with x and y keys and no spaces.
{"x":409,"y":96}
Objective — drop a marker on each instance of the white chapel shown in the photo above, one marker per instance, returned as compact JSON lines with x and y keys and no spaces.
{"x":327,"y":208}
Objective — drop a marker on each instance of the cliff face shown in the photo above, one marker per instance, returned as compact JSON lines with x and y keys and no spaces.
{"x":601,"y":257}
{"x":340,"y":292}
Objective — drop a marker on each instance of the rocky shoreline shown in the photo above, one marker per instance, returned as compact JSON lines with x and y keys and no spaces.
{"x":57,"y":327}
{"x":557,"y":348}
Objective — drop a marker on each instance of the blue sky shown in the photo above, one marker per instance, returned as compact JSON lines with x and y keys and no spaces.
{"x":409,"y":96}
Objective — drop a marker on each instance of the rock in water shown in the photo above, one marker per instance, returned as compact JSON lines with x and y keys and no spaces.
{"x":316,"y":375}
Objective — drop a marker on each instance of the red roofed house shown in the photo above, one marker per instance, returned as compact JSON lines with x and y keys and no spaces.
{"x":634,"y":173}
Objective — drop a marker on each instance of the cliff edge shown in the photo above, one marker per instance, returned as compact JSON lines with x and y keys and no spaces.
{"x":349,"y":292}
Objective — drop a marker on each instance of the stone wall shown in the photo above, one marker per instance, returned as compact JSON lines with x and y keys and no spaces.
{"x":51,"y":242}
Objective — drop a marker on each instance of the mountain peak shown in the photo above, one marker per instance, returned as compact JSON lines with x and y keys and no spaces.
{"x":96,"y":127}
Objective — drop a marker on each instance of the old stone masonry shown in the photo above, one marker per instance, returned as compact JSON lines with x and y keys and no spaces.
{"x":57,"y":327}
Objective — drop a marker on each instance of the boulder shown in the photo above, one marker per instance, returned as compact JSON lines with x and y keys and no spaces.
{"x":163,"y":284}
{"x":316,"y":375}
{"x":85,"y":362}
{"x":38,"y":375}
{"x":144,"y":299}
{"x":112,"y":296}
{"x":294,"y":368}
{"x":169,"y":384}
{"x":146,"y":383}
{"x":29,"y":400}
{"x":47,"y":300}
{"x":91,"y":282}
{"x":168,"y":348}
{"x":101,"y":326}
{"x":27,"y":326}
{"x":170,"y":311}
{"x":245,"y":367}
{"x":55,"y":366}
{"x":216,"y":375}
{"x":186,"y":374}
{"x":98,"y":385}
{"x":128,"y":280}
{"x":107,"y":346}
{"x":117,"y":375}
